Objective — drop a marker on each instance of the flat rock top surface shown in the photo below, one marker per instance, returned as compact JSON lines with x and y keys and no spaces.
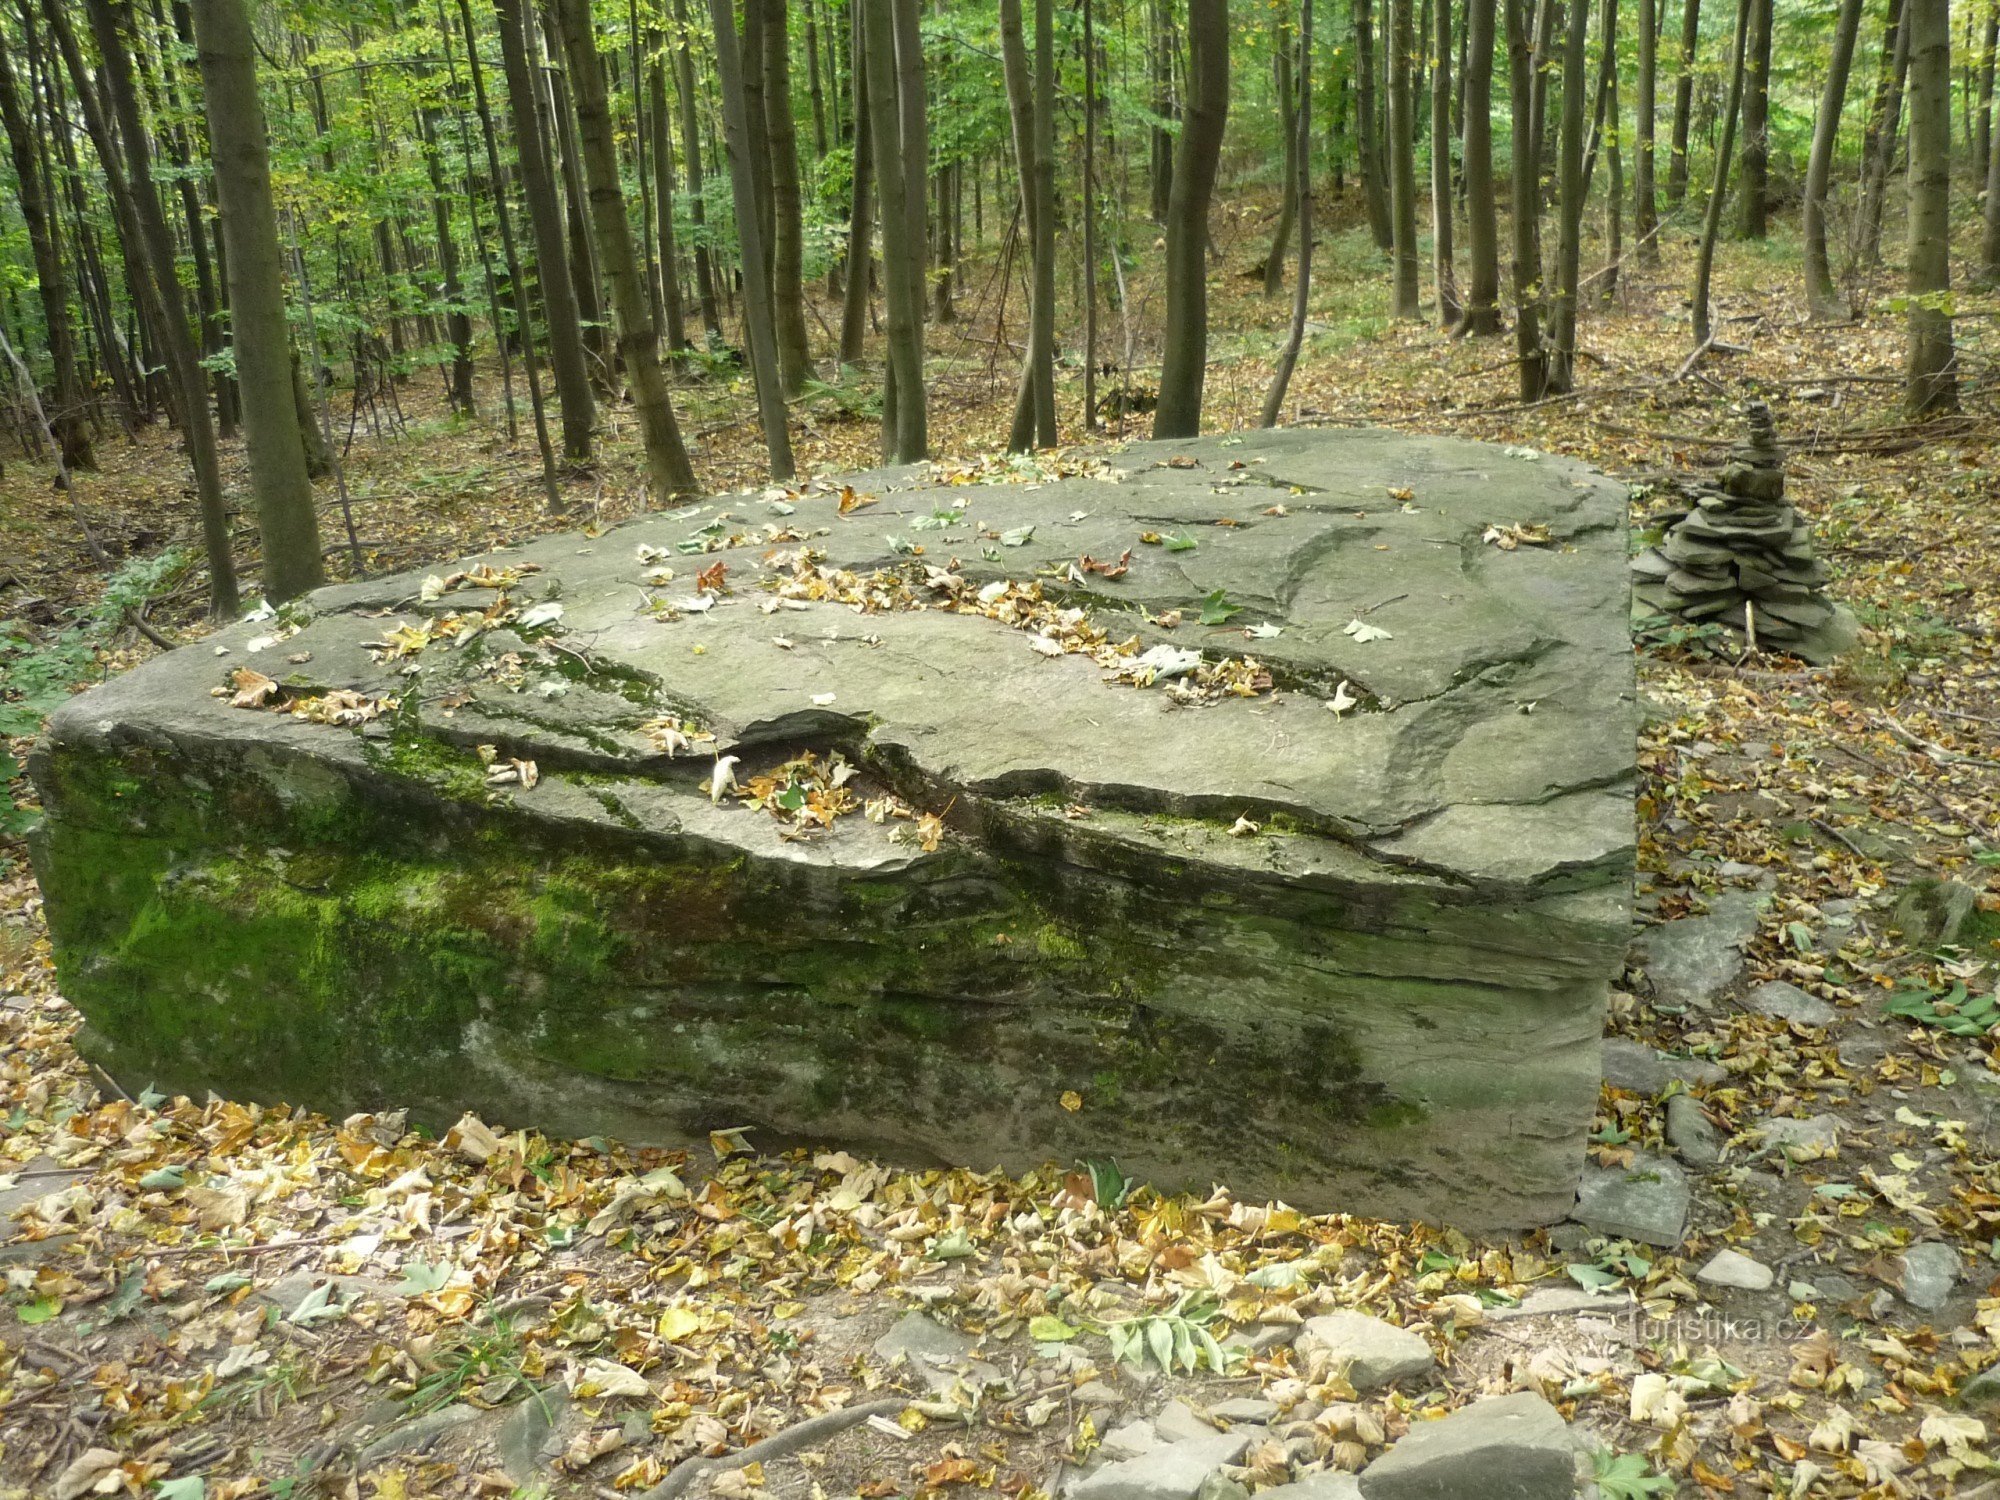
{"x":1407,"y":655}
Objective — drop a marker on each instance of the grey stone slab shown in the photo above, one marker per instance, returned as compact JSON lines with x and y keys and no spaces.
{"x":1647,"y":1202}
{"x":1330,"y":1484}
{"x":1789,"y":1003}
{"x":1811,"y":1139}
{"x":1431,"y":904}
{"x":1639,"y":1069}
{"x":1507,"y":1448}
{"x":526,"y":1433}
{"x":1690,"y":962}
{"x":1693,"y":1137}
{"x":1731,"y":1268}
{"x":1930,"y":1272}
{"x":1372,"y":1353}
{"x":1173,"y":1471}
{"x":419,"y":1432}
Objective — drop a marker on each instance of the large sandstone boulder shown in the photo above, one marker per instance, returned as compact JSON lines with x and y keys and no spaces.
{"x":1291,"y":851}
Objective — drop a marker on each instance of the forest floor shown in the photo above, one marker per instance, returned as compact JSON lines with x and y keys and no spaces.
{"x":289,"y":1305}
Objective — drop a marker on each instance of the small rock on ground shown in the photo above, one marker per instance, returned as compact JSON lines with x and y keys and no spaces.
{"x":526,"y":1431}
{"x":417,"y":1434}
{"x":1177,"y":1422}
{"x":1638,"y":1069}
{"x":1509,"y":1448}
{"x":1731,"y":1269}
{"x":1788,"y":1002}
{"x":1175,"y":1471}
{"x":1930,"y":1271}
{"x":1647,"y":1202}
{"x":1330,"y":1485}
{"x":1692,"y":961}
{"x":1374,"y":1353}
{"x":1240,"y":1409}
{"x":1803,"y":1140}
{"x":1697,"y":1141}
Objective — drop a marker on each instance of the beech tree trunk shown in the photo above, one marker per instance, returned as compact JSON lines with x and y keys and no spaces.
{"x":860,"y":212}
{"x":1522,"y":62}
{"x":1645,"y":195}
{"x":1407,"y":300}
{"x":1711,"y":229}
{"x":788,"y":296}
{"x":154,"y":247}
{"x":1753,"y":184}
{"x":1821,"y":296}
{"x":905,"y":435}
{"x":704,"y":268}
{"x":1283,"y":67}
{"x":1931,"y":372}
{"x":286,"y":520}
{"x":638,"y":341}
{"x":1288,"y":357}
{"x":67,"y":412}
{"x":1444,"y":274}
{"x":1677,"y":161}
{"x":1879,"y":150}
{"x":1184,"y":366}
{"x":1572,"y":186}
{"x":1031,"y":98}
{"x":567,"y":362}
{"x":1374,"y":188}
{"x":1482,"y":219}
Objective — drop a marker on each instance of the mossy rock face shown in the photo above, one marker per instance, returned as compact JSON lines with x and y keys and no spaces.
{"x":1386,"y":998}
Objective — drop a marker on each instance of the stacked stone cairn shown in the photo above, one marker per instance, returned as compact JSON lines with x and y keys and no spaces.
{"x":1740,"y":557}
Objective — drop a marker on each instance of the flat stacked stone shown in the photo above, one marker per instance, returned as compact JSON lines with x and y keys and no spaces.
{"x":1227,"y":806}
{"x":1741,"y":557}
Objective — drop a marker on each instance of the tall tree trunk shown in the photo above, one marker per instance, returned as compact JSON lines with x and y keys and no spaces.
{"x":1160,"y":56}
{"x":788,"y":294}
{"x":860,"y":210}
{"x":458,"y":323}
{"x":1821,"y":296}
{"x":1283,"y":67}
{"x":1572,"y":186}
{"x":1614,"y":156}
{"x":1443,"y":272}
{"x":207,"y":296}
{"x":560,"y":137}
{"x":517,"y":279}
{"x":638,"y":341}
{"x":1524,"y":60}
{"x":904,"y":405}
{"x":1931,"y":373}
{"x":672,"y":303}
{"x":1185,"y":363}
{"x":1374,"y":187}
{"x":1090,"y":108}
{"x":1753,"y":184}
{"x":109,"y":20}
{"x":286,"y":520}
{"x":1288,"y":357}
{"x":1879,"y":150}
{"x":1031,"y":98}
{"x":757,"y":311}
{"x":1482,"y":219}
{"x":1406,"y":300}
{"x":814,"y":87}
{"x":69,"y":417}
{"x":1711,"y":228}
{"x":704,"y":268}
{"x":1645,"y":195}
{"x":567,"y":363}
{"x":1677,"y":160}
{"x":1989,"y":237}
{"x":1982,"y":151}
